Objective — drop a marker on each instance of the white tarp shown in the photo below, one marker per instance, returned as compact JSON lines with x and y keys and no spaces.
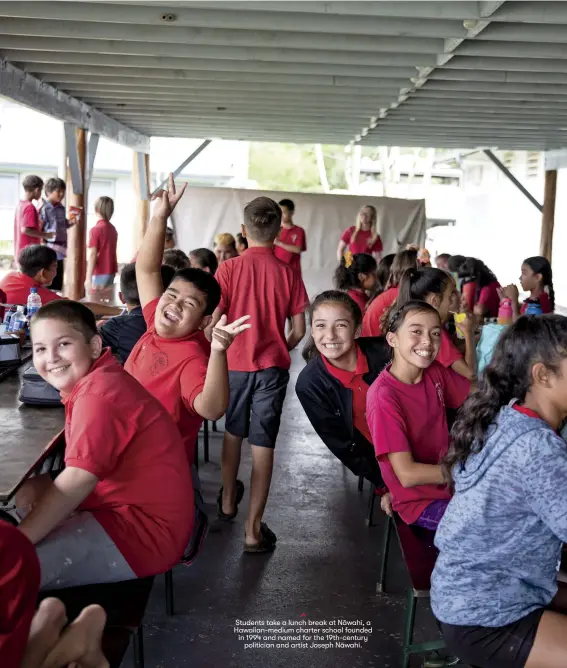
{"x":204,"y":212}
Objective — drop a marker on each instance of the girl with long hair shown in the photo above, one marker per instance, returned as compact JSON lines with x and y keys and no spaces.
{"x":363,"y":237}
{"x":537,"y":279}
{"x":332,"y":387}
{"x":494,"y":587}
{"x":406,"y":413}
{"x":377,"y":307}
{"x":480,"y":289}
{"x":356,"y":275}
{"x":383,"y":272}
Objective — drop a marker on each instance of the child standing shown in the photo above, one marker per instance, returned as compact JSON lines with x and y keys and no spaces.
{"x":173,"y":359}
{"x":271,"y":291}
{"x":537,"y":279}
{"x":406,"y":412}
{"x":356,"y":275}
{"x":102,"y":263}
{"x":362,"y":237}
{"x":27,"y":226}
{"x":332,"y":388}
{"x":55,"y":222}
{"x":494,"y":587}
{"x":291,"y":241}
{"x":120,"y":508}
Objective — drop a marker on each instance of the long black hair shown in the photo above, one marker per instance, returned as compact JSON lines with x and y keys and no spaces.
{"x":540,"y":265}
{"x":530,"y":340}
{"x":383,"y":272}
{"x":336,"y":297}
{"x":475,"y":269}
{"x":346,"y":277}
{"x":402,"y":261}
{"x":418,"y":283}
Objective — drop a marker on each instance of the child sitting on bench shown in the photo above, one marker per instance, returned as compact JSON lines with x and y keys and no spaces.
{"x":123,"y":506}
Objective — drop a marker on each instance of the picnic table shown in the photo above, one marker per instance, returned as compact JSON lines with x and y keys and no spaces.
{"x":29,"y":435}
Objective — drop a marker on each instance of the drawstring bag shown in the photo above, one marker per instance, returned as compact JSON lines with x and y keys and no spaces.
{"x":485,"y":349}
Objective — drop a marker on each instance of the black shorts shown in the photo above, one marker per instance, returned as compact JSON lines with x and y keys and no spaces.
{"x":255,"y":405}
{"x":503,"y":647}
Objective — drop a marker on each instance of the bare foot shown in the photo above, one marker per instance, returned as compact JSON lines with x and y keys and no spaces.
{"x":46,"y":627}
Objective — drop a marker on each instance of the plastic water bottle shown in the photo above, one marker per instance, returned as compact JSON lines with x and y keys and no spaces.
{"x":534,"y":308}
{"x":18,"y":321}
{"x":34,"y":303}
{"x":9,"y":313}
{"x":505,"y":313}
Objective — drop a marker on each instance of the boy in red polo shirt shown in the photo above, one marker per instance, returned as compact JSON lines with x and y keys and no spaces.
{"x":122,"y":507}
{"x":271,"y":291}
{"x":27,"y":226}
{"x":291,"y":241}
{"x":173,"y":360}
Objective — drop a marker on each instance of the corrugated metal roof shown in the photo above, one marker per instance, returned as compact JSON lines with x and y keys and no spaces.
{"x":445,"y":74}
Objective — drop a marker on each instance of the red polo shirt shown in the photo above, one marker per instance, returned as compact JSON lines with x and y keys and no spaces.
{"x":354,"y":381}
{"x":26,"y":216}
{"x":375,"y":311}
{"x":360,"y":297}
{"x":360,"y":243}
{"x":261,"y":286}
{"x":294,"y":236}
{"x":174,"y":371}
{"x":118,"y":432}
{"x":104,"y":237}
{"x":17,"y":288}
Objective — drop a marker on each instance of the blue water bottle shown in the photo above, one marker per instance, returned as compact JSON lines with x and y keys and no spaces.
{"x":533,"y":308}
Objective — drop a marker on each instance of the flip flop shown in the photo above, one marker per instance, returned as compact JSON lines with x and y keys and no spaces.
{"x":268,"y":540}
{"x":239,"y":495}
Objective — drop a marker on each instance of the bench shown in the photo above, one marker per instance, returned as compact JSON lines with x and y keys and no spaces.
{"x":125,"y":605}
{"x":419,"y":554}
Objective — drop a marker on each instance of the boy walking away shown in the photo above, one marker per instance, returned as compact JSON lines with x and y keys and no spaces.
{"x":122,"y":333}
{"x":271,"y":291}
{"x":173,"y":359}
{"x":102,"y":264}
{"x":55,"y":222}
{"x":120,"y":508}
{"x":291,"y":241}
{"x":27,"y":226}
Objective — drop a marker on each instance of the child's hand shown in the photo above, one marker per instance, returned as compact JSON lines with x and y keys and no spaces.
{"x":509,"y":292}
{"x":386,"y":504}
{"x":167,"y":200}
{"x":224,"y":335}
{"x":466,"y":326}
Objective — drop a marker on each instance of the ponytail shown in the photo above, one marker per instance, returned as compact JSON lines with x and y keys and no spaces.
{"x":346,"y":274}
{"x":541,"y":265}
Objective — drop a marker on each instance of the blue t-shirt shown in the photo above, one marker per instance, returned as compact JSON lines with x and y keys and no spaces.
{"x":500,"y":538}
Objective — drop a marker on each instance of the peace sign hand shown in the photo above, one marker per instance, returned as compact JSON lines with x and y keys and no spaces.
{"x":167,"y":199}
{"x":224,"y":335}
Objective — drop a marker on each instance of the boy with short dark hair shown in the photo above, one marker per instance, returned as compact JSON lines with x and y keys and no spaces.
{"x":122,"y":507}
{"x":173,"y":359}
{"x":27,"y":226}
{"x":122,"y":332}
{"x":291,"y":241}
{"x":271,"y":291}
{"x":54,"y":219}
{"x":176,"y":258}
{"x":205,"y":259}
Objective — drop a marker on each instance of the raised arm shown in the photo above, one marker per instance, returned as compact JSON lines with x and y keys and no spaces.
{"x":150,"y":255}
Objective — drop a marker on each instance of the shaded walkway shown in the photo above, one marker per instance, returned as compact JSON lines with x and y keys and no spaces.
{"x":325,"y":565}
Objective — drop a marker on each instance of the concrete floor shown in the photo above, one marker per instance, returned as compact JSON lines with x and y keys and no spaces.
{"x":325,"y":567}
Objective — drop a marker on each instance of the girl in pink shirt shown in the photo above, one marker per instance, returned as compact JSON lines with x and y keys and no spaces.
{"x":537,"y":279}
{"x":406,"y":413}
{"x":356,"y":275}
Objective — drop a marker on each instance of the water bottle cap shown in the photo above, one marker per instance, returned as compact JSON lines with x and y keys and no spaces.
{"x":33,"y":289}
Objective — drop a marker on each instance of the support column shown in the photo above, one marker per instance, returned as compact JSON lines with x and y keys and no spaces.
{"x":141,"y":178}
{"x":76,"y":267}
{"x":548,"y":214}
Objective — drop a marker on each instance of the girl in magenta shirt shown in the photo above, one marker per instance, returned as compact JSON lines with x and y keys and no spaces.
{"x":362,"y":237}
{"x":356,"y":275}
{"x":537,"y":279}
{"x":406,"y":413}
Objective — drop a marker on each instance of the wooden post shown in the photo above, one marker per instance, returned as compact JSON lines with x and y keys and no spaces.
{"x":76,"y":265}
{"x":548,"y":214}
{"x":141,"y":178}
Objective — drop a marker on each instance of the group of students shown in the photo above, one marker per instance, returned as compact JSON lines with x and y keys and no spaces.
{"x":48,"y":223}
{"x":380,"y":399}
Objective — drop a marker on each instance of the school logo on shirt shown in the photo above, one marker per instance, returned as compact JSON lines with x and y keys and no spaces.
{"x":159,"y":363}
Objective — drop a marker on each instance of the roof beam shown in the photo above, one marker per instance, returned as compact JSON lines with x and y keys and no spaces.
{"x":511,"y":64}
{"x":524,"y":32}
{"x":498,"y":76}
{"x":532,"y":12}
{"x":513,"y":50}
{"x":467,"y":87}
{"x":28,"y":90}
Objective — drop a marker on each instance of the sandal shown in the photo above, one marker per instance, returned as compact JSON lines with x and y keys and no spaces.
{"x":268,"y":540}
{"x":239,"y":495}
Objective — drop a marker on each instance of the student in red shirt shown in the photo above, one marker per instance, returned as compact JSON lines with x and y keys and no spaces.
{"x":480,"y":289}
{"x":271,"y":291}
{"x":356,"y":275}
{"x":291,"y":241}
{"x":122,"y":507}
{"x":406,"y":413}
{"x":438,"y":288}
{"x":27,"y":225}
{"x":205,"y":259}
{"x":362,"y":237}
{"x":173,"y":360}
{"x":377,"y":307}
{"x":537,"y":279}
{"x":332,"y":388}
{"x":102,"y":263}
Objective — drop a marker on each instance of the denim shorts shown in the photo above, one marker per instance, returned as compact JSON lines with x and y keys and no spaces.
{"x":103,"y":280}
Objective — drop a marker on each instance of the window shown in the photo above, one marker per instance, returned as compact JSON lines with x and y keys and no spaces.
{"x":99,"y":188}
{"x":9,"y":187}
